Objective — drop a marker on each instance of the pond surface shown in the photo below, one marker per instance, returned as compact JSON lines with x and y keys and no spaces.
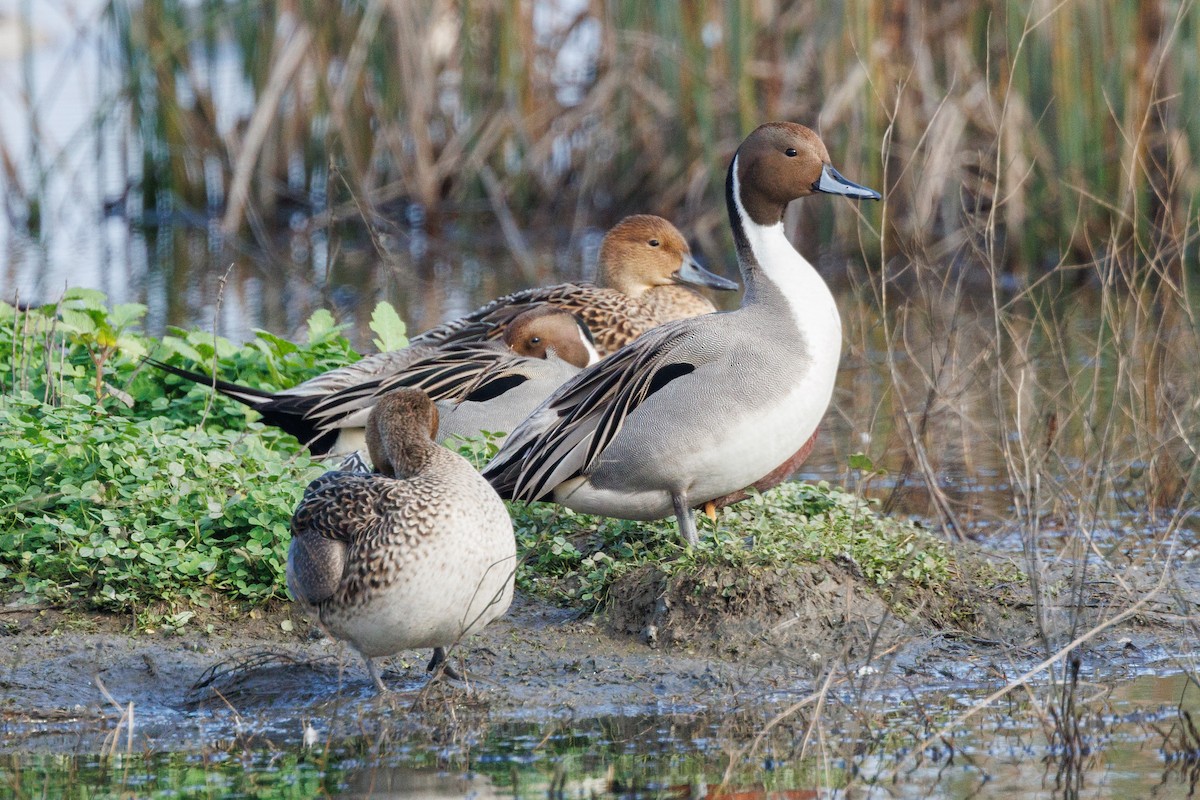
{"x":1130,"y":744}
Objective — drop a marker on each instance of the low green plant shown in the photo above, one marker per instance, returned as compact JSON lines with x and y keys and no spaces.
{"x":102,"y":332}
{"x":110,"y":496}
{"x":575,"y":558}
{"x":118,"y":513}
{"x":477,"y":449}
{"x":267,"y":362}
{"x":80,"y":345}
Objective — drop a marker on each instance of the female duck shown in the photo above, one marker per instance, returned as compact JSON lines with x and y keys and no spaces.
{"x":490,"y":385}
{"x":418,"y":554}
{"x":644,"y":265}
{"x":700,"y":408}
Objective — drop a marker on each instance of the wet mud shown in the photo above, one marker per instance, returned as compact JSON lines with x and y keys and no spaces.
{"x":708,"y":644}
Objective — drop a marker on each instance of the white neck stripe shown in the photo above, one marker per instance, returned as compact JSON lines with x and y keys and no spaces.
{"x":777,"y":261}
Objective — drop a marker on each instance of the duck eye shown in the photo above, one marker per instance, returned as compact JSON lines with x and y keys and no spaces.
{"x":654,"y":242}
{"x":790,"y":152}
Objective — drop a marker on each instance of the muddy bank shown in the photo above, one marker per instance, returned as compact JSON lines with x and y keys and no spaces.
{"x":681,"y":646}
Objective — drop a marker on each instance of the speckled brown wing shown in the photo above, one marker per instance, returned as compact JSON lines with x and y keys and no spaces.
{"x":401,"y":520}
{"x":353,"y":533}
{"x":614,"y":318}
{"x":334,"y":512}
{"x":616,"y":323}
{"x":489,"y":321}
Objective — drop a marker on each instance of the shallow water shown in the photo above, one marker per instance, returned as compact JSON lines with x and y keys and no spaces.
{"x":1130,"y":746}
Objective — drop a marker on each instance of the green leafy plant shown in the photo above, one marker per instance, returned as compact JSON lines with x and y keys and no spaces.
{"x":391,"y":330}
{"x":127,"y":505}
{"x":88,"y":323}
{"x":267,"y":362}
{"x":575,"y":558}
{"x":478,"y":449}
{"x":118,"y":513}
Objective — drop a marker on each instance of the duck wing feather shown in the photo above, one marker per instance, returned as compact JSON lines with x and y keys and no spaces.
{"x":474,"y":370}
{"x":614,"y":319}
{"x":564,"y":437}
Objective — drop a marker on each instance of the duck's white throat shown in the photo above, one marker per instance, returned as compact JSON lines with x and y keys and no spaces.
{"x":813,"y":309}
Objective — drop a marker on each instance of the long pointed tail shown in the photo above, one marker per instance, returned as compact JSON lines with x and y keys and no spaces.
{"x":289,"y":413}
{"x":255,"y":398}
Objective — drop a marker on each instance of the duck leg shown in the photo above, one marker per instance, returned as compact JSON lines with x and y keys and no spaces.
{"x":439,"y":660}
{"x":686,"y":517}
{"x":371,"y":668}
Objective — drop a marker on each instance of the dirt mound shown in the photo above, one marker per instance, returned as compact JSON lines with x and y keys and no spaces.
{"x":802,"y":612}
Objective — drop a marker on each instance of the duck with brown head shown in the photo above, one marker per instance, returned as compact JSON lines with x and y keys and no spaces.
{"x":646,"y":258}
{"x":418,"y":554}
{"x":645,"y":272}
{"x":699,"y":408}
{"x":502,"y":380}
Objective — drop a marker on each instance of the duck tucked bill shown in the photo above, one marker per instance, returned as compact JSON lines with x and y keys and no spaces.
{"x":418,"y":554}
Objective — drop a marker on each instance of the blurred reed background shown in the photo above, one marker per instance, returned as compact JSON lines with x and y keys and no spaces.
{"x":1072,"y":115}
{"x":1018,"y":309}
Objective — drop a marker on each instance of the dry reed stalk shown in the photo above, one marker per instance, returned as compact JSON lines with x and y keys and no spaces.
{"x":418,"y":77}
{"x":349,"y":88}
{"x":16,"y":196}
{"x":508,"y":225}
{"x":913,"y":431}
{"x":783,"y":715}
{"x":285,"y":67}
{"x":125,"y":720}
{"x":946,"y":731}
{"x":1070,"y":411}
{"x":689,"y":83}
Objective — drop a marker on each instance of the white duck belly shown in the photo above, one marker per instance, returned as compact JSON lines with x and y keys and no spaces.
{"x":426,"y":609}
{"x":650,"y":458}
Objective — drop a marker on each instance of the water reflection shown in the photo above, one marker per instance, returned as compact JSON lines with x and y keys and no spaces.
{"x":400,"y":783}
{"x":1004,"y":751}
{"x":80,"y":211}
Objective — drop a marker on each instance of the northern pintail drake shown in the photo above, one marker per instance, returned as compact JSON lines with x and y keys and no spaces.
{"x":418,"y":554}
{"x":699,"y":408}
{"x":490,"y":385}
{"x":644,"y":273}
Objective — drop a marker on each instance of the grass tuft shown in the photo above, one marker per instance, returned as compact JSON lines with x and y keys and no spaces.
{"x":576,"y":558}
